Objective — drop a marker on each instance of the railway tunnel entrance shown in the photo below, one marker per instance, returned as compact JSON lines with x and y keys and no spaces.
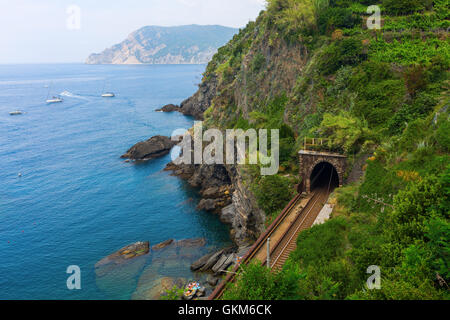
{"x":324,"y":175}
{"x":317,"y":168}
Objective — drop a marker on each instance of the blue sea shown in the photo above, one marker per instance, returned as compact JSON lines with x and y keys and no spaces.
{"x":66,"y":197}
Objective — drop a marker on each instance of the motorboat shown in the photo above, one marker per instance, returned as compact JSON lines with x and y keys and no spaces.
{"x":55,"y":100}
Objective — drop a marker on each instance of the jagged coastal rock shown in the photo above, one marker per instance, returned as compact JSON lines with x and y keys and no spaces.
{"x":224,"y":193}
{"x":169,"y":108}
{"x":201,"y":100}
{"x":192,"y":44}
{"x":218,"y":262}
{"x":155,"y":147}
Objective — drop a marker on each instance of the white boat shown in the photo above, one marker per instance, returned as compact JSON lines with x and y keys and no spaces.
{"x":15,"y":113}
{"x":106,"y":94}
{"x":55,"y":100}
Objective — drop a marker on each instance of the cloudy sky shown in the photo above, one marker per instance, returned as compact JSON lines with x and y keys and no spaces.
{"x":47,"y":30}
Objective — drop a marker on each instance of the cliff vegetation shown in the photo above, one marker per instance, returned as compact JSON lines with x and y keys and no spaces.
{"x":312,"y":68}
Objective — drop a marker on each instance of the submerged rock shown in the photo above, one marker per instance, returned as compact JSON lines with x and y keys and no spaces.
{"x":151,"y":287}
{"x":191,"y":243}
{"x":121,"y":256}
{"x":155,"y":147}
{"x":114,"y":280}
{"x":163,"y":245}
{"x":119,"y":270}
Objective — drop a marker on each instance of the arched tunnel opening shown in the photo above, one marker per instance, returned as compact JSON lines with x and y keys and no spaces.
{"x":324,"y":175}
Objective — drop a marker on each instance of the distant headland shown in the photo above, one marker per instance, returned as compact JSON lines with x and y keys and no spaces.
{"x":191,"y":44}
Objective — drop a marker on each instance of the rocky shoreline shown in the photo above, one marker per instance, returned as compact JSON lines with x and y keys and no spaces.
{"x":221,"y":188}
{"x":222,"y":192}
{"x":132,"y":262}
{"x":196,"y":105}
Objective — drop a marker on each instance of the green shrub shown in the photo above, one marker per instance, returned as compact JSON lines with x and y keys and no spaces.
{"x":321,"y":244}
{"x":273,"y":193}
{"x":442,"y":134}
{"x":421,"y":107}
{"x":400,"y":7}
{"x":413,"y":206}
{"x":347,"y":133}
{"x":258,"y":62}
{"x":256,"y":282}
{"x":292,"y":16}
{"x":407,"y":51}
{"x":438,"y":235}
{"x":348,"y":51}
{"x":379,"y":184}
{"x":321,"y":254}
{"x":334,"y":18}
{"x":379,"y":101}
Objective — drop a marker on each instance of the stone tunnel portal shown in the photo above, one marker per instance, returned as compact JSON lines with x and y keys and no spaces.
{"x":316,"y":167}
{"x":324,"y":175}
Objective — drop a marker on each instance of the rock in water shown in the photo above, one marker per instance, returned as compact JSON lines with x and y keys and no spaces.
{"x":219,"y":263}
{"x":155,"y":147}
{"x":192,"y":243}
{"x":212,"y":261}
{"x":152,"y":288}
{"x":201,"y":262}
{"x":122,"y":256}
{"x":169,"y":108}
{"x":163,"y":245}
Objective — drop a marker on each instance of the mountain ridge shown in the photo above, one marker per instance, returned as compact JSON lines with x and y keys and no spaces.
{"x":186,"y":44}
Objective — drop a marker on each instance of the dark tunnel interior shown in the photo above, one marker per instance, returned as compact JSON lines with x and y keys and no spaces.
{"x":324,"y":175}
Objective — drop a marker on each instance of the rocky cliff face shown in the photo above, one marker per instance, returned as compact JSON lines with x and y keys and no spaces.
{"x":197,"y":104}
{"x":231,"y":90}
{"x":166,"y":45}
{"x":224,"y":193}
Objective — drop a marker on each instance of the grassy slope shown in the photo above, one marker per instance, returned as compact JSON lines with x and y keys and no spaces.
{"x":312,"y":69}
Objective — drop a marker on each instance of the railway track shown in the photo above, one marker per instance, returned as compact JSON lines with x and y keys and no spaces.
{"x":304,"y":219}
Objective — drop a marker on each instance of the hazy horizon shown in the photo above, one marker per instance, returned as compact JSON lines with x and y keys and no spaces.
{"x":68,"y":31}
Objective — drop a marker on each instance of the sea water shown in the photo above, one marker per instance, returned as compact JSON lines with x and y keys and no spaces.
{"x":66,"y":197}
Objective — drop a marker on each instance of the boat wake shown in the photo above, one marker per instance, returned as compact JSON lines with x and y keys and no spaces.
{"x":71,"y":95}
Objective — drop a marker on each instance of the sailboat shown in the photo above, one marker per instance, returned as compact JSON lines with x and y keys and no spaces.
{"x":54,"y":99}
{"x":107,"y":94}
